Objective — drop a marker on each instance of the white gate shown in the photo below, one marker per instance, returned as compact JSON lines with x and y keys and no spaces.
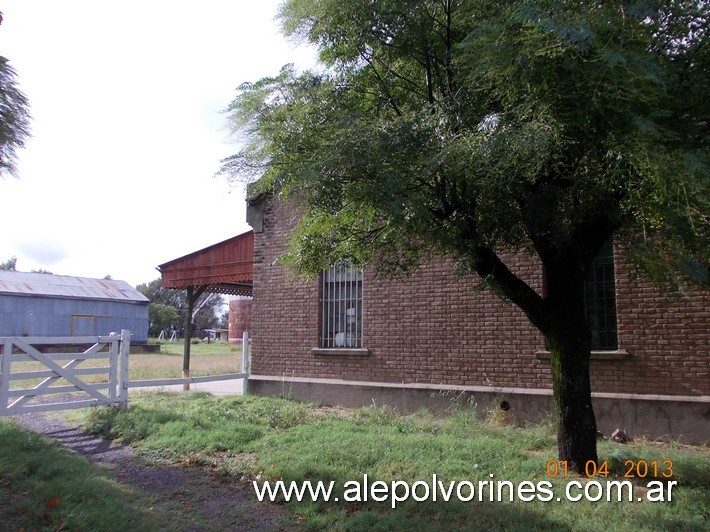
{"x":21,"y":362}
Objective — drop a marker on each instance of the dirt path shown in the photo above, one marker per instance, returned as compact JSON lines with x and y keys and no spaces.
{"x":189,"y":494}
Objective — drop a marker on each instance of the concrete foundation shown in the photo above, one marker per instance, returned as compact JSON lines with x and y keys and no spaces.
{"x":659,"y":417}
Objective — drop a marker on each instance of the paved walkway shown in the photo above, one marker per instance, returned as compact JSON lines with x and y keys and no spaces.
{"x":230,"y":387}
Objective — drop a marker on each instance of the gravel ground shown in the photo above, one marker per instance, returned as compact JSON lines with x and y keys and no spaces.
{"x":203,"y":502}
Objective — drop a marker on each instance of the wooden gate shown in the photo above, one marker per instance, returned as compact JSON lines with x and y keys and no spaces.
{"x":56,"y":364}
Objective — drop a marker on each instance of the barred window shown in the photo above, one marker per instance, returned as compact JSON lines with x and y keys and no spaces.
{"x":600,"y":300}
{"x":341,"y":306}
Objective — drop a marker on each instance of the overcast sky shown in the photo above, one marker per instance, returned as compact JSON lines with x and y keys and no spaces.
{"x":127,"y":132}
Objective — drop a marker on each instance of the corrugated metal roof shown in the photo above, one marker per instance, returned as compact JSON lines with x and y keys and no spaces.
{"x":41,"y":284}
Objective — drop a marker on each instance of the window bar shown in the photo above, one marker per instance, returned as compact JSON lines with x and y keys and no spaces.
{"x":358,"y":311}
{"x":344,"y":303}
{"x":326,"y":303}
{"x":356,"y":321}
{"x":331,"y":306}
{"x":325,"y":333}
{"x":324,"y":314}
{"x":342,"y":306}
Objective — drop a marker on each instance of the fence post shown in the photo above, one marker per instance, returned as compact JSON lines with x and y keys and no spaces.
{"x":123,"y":369}
{"x":245,"y":352}
{"x":5,"y":370}
{"x":114,"y":349}
{"x":245,"y":361}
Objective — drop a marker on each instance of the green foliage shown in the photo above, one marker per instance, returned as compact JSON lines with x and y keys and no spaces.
{"x":9,"y":264}
{"x":206,"y":307}
{"x":14,"y":117}
{"x":194,"y":423}
{"x":155,"y":292}
{"x":161,"y":317}
{"x":468,"y":126}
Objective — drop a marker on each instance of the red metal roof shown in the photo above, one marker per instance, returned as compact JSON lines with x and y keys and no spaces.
{"x":226,"y":267}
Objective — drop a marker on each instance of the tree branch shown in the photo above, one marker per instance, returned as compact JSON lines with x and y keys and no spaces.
{"x":489,"y":266}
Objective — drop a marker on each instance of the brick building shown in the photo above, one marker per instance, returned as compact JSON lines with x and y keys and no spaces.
{"x":239,"y":318}
{"x":352,"y":338}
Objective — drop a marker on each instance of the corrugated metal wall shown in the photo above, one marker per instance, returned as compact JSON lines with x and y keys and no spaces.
{"x":45,"y":316}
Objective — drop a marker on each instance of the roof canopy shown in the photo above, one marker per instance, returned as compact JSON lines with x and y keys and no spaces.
{"x":224,"y":268}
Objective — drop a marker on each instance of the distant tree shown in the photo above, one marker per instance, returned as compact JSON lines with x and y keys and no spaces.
{"x":9,"y":264}
{"x":108,"y":278}
{"x":224,"y":320}
{"x":471,"y":129}
{"x":207,"y":307}
{"x":161,"y":317}
{"x":208,"y":312}
{"x":155,"y":292}
{"x":14,"y":117}
{"x":42,"y":270}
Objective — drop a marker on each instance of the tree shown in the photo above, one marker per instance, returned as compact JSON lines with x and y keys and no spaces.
{"x":160,"y":318}
{"x":9,"y":264}
{"x":14,"y":117}
{"x":207,"y":307}
{"x":469,"y":128}
{"x":155,"y":292}
{"x":223,"y":320}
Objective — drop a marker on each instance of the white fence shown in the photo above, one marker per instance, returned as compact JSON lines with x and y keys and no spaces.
{"x":24,"y":352}
{"x":31,"y":364}
{"x":194,"y":380}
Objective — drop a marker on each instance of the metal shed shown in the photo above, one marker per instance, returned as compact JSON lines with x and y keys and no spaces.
{"x":37,"y":304}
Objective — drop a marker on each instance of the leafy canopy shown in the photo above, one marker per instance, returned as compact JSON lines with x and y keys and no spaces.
{"x":168,"y":306}
{"x":14,"y":117}
{"x":467,"y":127}
{"x":9,"y":264}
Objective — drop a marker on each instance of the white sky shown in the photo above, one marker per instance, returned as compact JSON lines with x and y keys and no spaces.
{"x":127,"y":132}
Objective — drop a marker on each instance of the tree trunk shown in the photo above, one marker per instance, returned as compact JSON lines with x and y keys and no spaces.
{"x":576,"y":424}
{"x":560,"y":316}
{"x":569,"y":341}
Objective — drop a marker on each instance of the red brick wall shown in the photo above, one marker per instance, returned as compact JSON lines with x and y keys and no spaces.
{"x":669,"y":337}
{"x":435,"y":327}
{"x":240,"y":319}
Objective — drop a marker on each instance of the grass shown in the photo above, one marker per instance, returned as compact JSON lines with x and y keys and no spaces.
{"x":215,"y":358}
{"x":273,"y":439}
{"x":45,"y":487}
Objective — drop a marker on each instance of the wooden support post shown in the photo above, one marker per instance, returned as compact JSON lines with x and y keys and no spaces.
{"x":188,"y":339}
{"x":192,"y":297}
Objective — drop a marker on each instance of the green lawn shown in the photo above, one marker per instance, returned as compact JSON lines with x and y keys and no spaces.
{"x":273,"y":439}
{"x":215,"y":358}
{"x":45,"y":487}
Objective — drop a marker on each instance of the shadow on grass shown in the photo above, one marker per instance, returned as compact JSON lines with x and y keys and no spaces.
{"x":43,"y":486}
{"x":424,"y":516}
